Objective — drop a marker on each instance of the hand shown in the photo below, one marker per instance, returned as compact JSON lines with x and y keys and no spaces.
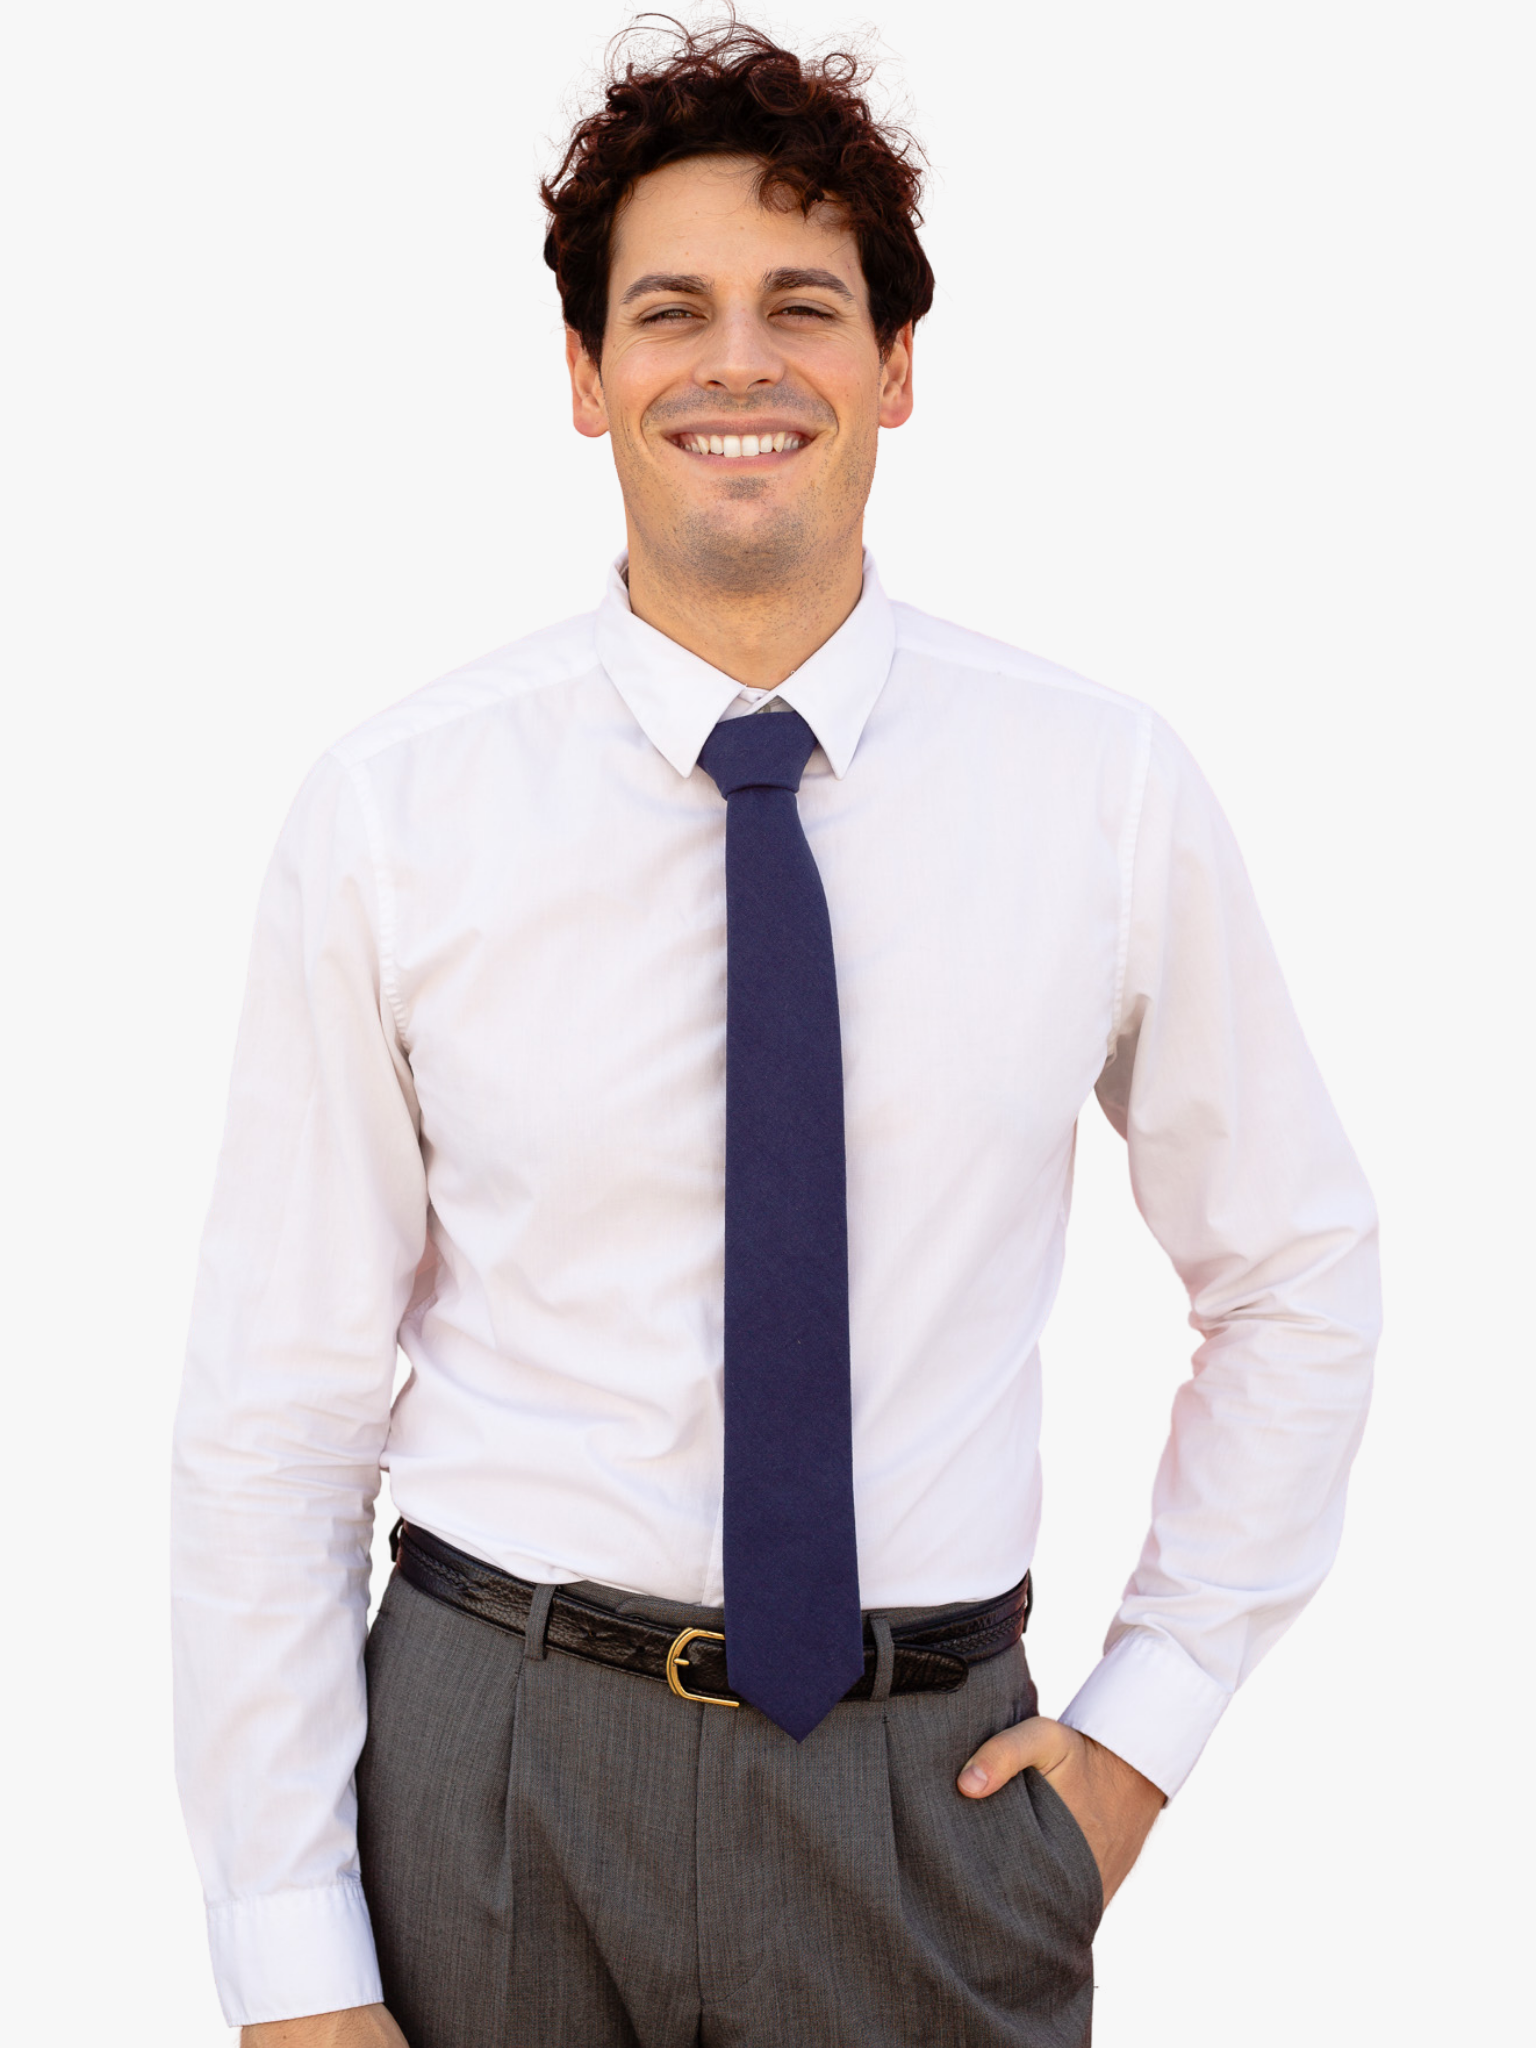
{"x":1111,"y":1802}
{"x":360,"y":2026}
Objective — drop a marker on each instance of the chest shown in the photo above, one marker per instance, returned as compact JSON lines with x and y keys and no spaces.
{"x":562,"y":962}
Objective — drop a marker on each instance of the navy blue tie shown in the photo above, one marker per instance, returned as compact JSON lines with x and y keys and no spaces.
{"x":793,"y":1628}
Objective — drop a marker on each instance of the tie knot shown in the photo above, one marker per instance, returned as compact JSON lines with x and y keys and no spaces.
{"x":766,"y":750}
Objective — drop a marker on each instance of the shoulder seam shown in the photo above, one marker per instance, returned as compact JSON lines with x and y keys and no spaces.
{"x":384,"y":892}
{"x":1020,"y":664}
{"x":354,"y":749}
{"x":1130,"y":837}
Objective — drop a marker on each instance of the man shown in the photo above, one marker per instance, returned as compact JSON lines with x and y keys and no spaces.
{"x":672,"y":1030}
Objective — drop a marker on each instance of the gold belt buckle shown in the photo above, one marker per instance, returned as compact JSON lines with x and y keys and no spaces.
{"x":675,"y":1657}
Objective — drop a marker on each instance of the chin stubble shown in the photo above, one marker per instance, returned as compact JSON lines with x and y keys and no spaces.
{"x":707,"y":552}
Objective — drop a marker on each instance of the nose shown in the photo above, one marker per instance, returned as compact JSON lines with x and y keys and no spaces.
{"x":740,"y":353}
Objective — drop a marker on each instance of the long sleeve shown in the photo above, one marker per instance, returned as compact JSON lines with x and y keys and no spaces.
{"x":313,"y":1240}
{"x":1241,"y":1170}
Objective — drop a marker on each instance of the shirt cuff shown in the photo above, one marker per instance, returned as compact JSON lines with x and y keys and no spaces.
{"x":288,"y":1954}
{"x":1150,"y":1703}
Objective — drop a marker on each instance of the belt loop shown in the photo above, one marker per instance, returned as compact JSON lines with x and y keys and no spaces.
{"x":538,"y":1621}
{"x":885,"y":1658}
{"x":394,"y":1540}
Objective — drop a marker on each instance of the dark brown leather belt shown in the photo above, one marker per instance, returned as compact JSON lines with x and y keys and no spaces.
{"x":925,"y":1656}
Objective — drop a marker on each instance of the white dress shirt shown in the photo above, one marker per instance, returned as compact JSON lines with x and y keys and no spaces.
{"x":479,"y":1109}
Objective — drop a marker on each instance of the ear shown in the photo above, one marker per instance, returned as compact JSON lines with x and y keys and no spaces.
{"x":589,"y":410}
{"x":896,"y":380}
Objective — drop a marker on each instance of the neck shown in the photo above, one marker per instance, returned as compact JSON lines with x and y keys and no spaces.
{"x":755,"y":636}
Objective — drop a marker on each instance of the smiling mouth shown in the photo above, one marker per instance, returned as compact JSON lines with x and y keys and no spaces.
{"x":740,"y":447}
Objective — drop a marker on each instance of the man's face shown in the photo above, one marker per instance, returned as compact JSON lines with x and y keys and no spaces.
{"x":733,"y":325}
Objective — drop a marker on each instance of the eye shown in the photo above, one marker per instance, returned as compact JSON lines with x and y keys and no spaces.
{"x":815,"y":312}
{"x":666,"y":313}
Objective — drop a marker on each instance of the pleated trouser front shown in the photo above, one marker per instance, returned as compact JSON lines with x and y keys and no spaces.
{"x":561,"y":1855}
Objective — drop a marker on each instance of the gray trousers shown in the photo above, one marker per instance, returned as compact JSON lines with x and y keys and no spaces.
{"x":560,"y":1855}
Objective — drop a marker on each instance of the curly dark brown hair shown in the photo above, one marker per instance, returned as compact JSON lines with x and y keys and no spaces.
{"x":731,"y":91}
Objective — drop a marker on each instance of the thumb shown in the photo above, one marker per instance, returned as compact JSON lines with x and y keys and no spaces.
{"x":1045,"y":1744}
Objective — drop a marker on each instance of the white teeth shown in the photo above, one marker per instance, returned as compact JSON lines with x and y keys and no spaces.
{"x":734,"y":446}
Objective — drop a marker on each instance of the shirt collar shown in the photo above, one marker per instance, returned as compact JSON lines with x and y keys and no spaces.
{"x":677,"y":698}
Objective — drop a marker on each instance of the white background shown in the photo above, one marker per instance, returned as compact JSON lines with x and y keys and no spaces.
{"x":1225,"y":401}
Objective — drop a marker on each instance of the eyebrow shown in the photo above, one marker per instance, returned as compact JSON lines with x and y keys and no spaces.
{"x":805,"y":280}
{"x":665,"y":281}
{"x":692,"y":286}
